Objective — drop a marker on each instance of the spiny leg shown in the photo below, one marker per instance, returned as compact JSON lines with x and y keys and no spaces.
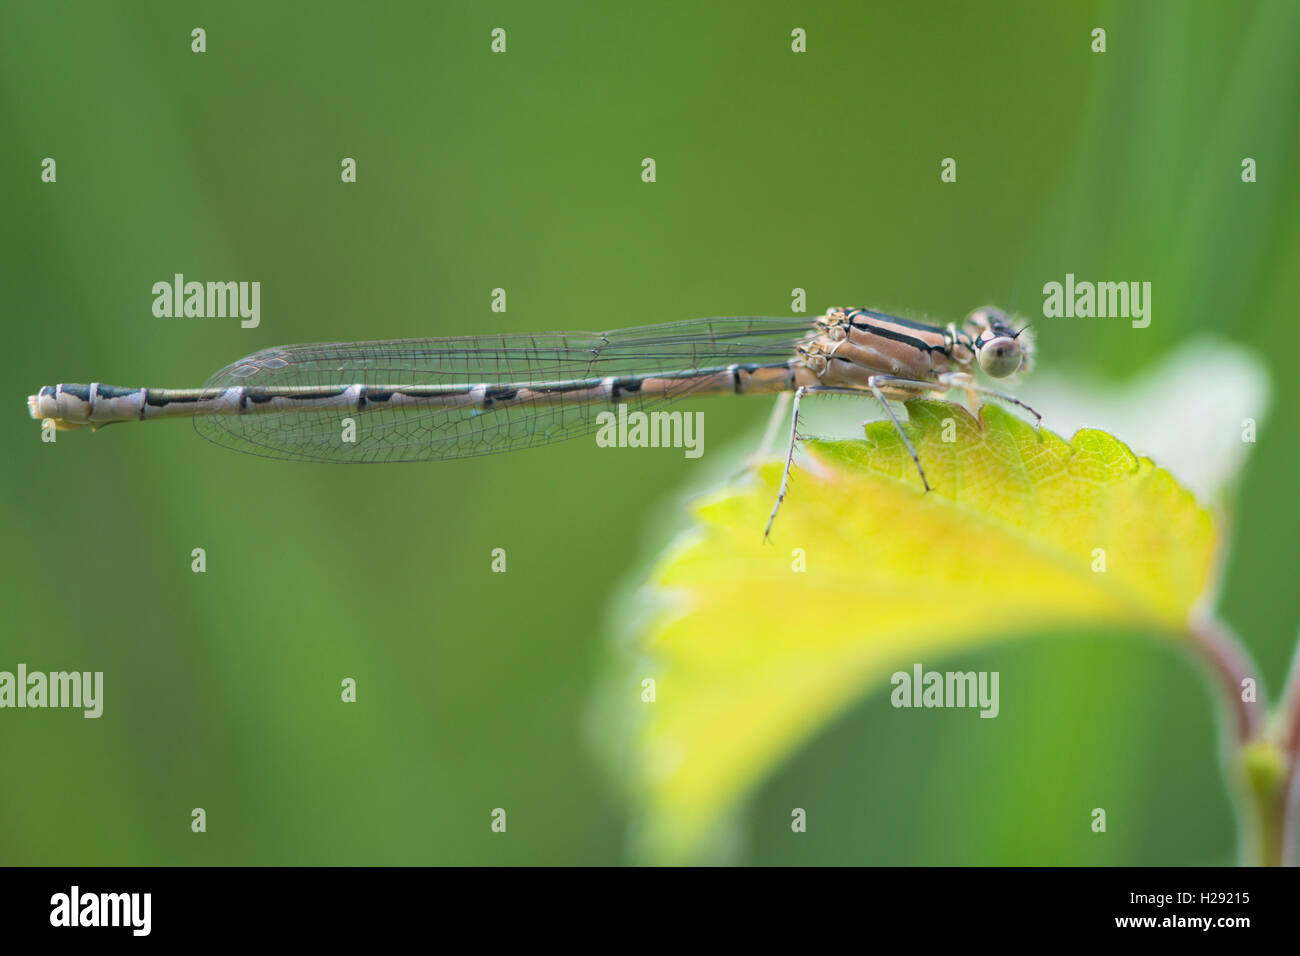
{"x":961,"y":380}
{"x":1010,"y":400}
{"x":799,"y":393}
{"x":874,"y":383}
{"x":794,"y":437}
{"x":948,"y":381}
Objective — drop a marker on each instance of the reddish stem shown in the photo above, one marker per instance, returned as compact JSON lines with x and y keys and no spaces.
{"x":1230,"y":665}
{"x":1290,"y":713}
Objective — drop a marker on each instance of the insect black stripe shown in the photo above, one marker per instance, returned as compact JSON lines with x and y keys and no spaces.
{"x":896,"y":320}
{"x":896,"y":337}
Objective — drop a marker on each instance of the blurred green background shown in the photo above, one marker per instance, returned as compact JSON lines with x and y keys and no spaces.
{"x":522,"y":171}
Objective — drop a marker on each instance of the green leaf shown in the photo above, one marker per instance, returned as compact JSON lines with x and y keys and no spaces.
{"x":752,"y":656}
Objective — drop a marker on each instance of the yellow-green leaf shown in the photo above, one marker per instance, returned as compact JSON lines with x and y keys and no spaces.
{"x":1024,"y":533}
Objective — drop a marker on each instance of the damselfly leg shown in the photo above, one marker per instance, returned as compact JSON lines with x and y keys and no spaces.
{"x":972,"y":388}
{"x":874,"y":384}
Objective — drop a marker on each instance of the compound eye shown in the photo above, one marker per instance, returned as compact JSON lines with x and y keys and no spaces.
{"x":1000,"y":357}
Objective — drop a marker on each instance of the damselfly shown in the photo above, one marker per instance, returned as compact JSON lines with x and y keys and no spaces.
{"x":429,"y":399}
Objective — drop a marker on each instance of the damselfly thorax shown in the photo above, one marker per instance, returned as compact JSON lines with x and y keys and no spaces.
{"x":432,"y":399}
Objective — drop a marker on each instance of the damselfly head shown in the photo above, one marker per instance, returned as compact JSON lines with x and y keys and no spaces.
{"x":1002,"y":348}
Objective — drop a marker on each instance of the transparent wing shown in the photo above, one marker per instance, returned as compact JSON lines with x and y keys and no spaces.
{"x":430,"y":431}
